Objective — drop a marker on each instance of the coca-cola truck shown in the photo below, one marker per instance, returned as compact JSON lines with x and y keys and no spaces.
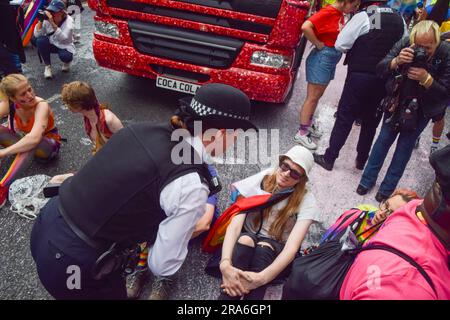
{"x":253,"y":45}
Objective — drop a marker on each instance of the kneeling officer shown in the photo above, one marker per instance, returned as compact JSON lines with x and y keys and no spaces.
{"x":134,"y":190}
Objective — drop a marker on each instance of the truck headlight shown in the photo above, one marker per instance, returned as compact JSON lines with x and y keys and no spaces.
{"x":266,"y":59}
{"x":107,"y":29}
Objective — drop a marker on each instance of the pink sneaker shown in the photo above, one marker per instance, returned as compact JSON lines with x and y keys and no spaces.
{"x":3,"y":195}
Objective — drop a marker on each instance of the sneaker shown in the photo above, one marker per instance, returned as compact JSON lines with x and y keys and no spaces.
{"x":136,"y":282}
{"x":76,"y":38}
{"x":65,"y":67}
{"x":48,"y":72}
{"x":433,"y":149}
{"x":320,"y":160}
{"x":315,"y":131}
{"x":305,"y":140}
{"x":3,"y":195}
{"x":160,"y":288}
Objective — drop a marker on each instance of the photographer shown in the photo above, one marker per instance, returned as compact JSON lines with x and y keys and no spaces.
{"x":421,"y":94}
{"x":11,"y":50}
{"x":54,"y":34}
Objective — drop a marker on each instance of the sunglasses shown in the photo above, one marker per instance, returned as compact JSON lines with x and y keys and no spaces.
{"x":384,"y":206}
{"x":292,"y":173}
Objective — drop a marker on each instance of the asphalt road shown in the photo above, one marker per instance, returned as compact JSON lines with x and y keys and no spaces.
{"x":137,"y":99}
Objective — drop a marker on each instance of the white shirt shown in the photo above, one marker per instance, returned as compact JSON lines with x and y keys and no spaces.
{"x":358,"y":26}
{"x":251,"y":186}
{"x":62,"y":37}
{"x":184,"y":202}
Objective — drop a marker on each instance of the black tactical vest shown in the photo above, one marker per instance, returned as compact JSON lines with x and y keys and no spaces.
{"x":115,"y":196}
{"x":387,"y":28}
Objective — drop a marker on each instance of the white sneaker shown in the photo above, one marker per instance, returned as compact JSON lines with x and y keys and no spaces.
{"x":434,"y":148}
{"x":48,"y":72}
{"x":65,"y":67}
{"x":305,"y":140}
{"x":315,"y":131}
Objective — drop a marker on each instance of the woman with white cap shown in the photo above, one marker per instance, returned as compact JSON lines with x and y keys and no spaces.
{"x":263,"y":251}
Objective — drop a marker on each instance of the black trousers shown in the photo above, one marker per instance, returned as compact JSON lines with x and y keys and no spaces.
{"x":256,"y":259}
{"x":9,"y":63}
{"x":360,"y":98}
{"x":64,"y":261}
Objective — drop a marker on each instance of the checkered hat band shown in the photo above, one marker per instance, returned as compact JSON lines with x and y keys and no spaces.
{"x":202,"y":110}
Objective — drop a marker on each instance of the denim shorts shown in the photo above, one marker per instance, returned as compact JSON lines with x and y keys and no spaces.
{"x":321,"y":65}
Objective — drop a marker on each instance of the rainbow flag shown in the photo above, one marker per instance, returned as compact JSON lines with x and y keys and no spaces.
{"x":30,"y":20}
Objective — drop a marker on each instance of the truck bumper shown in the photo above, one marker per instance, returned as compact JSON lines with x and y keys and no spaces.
{"x":257,"y":85}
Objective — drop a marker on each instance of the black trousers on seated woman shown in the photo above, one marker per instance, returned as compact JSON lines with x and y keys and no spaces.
{"x":256,"y":259}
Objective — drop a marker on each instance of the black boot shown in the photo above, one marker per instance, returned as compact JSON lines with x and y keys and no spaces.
{"x":361,"y":190}
{"x":320,"y":160}
{"x":381,"y":197}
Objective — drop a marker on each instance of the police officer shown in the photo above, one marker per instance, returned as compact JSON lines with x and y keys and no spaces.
{"x":140,"y":187}
{"x":366,"y":39}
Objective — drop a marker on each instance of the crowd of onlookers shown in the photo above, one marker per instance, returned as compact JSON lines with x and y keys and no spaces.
{"x":398,"y":74}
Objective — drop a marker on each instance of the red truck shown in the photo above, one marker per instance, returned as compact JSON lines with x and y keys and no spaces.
{"x":253,"y":45}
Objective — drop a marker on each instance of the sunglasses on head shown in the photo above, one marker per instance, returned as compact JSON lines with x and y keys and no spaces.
{"x":292,"y":173}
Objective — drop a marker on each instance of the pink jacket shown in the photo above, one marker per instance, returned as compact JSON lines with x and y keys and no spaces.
{"x":383,"y":275}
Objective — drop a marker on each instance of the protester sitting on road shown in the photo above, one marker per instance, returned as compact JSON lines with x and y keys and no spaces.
{"x":421,"y":95}
{"x":363,"y":90}
{"x":419,"y":229}
{"x":55,"y":35}
{"x":252,"y":259}
{"x":321,"y":30}
{"x":100,"y":123}
{"x":31,"y":132}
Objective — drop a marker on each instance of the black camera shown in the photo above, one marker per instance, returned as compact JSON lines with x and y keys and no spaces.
{"x":41,"y":16}
{"x":420,"y":58}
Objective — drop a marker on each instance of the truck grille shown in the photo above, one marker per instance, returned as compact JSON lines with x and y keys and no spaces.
{"x":192,"y":16}
{"x":195,"y":47}
{"x":263,"y":8}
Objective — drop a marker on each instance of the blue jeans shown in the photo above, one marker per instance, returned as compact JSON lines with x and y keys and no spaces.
{"x":403,"y":150}
{"x":45,"y":49}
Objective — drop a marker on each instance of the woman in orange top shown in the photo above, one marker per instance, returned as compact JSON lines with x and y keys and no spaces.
{"x":31,"y":131}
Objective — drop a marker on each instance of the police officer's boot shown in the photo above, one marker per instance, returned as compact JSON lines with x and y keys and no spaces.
{"x":136,"y":283}
{"x":161,"y":288}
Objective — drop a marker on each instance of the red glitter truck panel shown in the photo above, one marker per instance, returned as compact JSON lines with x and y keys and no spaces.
{"x":253,"y":45}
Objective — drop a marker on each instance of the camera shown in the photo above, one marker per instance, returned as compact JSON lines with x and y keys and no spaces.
{"x":403,"y":99}
{"x":420,"y":58}
{"x":41,"y":16}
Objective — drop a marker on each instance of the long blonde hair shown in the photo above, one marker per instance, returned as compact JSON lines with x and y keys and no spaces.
{"x":9,"y":84}
{"x":295,"y":199}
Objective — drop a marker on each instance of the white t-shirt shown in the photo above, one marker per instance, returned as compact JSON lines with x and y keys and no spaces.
{"x":251,"y":186}
{"x":62,"y":37}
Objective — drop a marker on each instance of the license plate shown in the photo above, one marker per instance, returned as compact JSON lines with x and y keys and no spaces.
{"x":176,"y":85}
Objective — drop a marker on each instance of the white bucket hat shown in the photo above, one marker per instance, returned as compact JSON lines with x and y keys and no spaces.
{"x":301,"y":156}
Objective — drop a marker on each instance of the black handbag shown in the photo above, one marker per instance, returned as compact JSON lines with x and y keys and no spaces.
{"x":320,"y":274}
